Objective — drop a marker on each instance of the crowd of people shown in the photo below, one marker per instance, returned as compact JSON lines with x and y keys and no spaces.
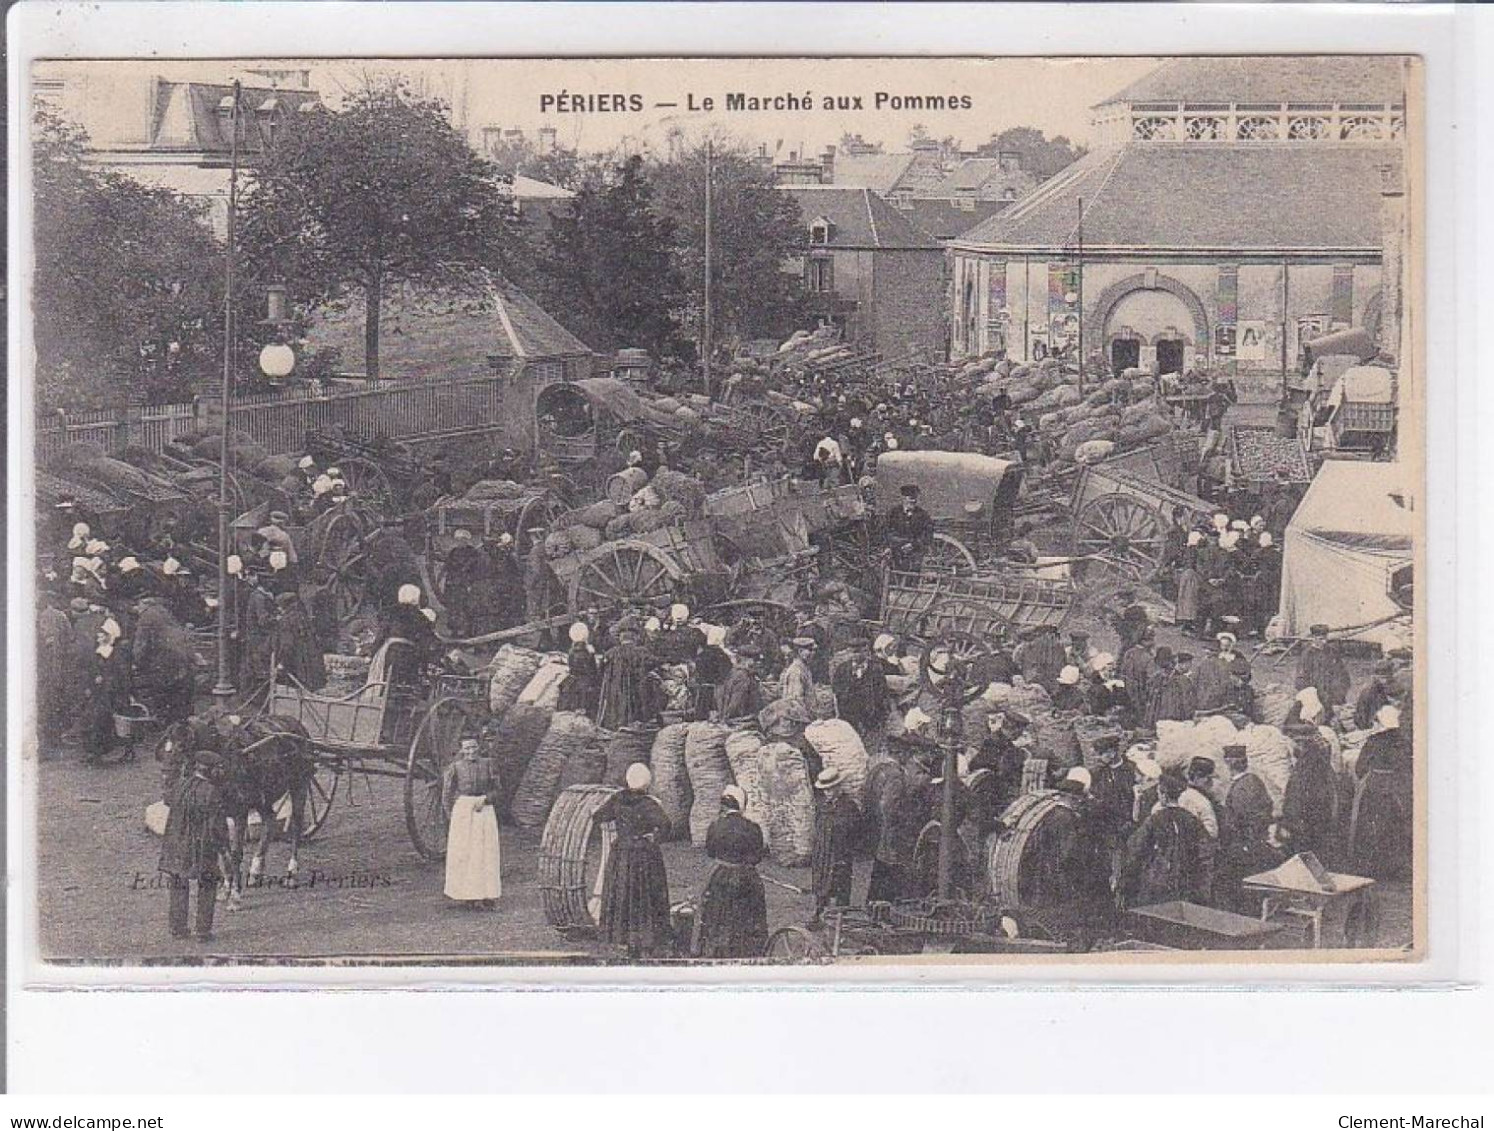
{"x":116,"y":623}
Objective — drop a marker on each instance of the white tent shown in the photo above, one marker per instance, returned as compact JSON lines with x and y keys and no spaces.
{"x":1352,"y":530}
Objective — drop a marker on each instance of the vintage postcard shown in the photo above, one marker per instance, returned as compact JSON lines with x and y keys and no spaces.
{"x":764,"y":512}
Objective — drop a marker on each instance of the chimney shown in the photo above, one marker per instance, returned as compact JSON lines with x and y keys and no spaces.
{"x":1392,"y":259}
{"x":547,"y":139}
{"x":827,"y":166}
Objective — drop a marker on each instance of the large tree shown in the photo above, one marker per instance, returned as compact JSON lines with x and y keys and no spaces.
{"x":379,"y":192}
{"x":755,"y":229}
{"x":128,"y":295}
{"x":1041,"y":155}
{"x":607,"y":270}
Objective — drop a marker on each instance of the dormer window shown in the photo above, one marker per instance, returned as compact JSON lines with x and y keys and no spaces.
{"x":821,"y":232}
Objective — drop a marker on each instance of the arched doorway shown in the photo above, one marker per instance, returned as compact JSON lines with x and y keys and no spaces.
{"x":1161,"y":326}
{"x":1154,"y":307}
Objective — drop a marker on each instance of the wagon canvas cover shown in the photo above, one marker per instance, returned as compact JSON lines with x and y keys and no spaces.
{"x":1355,"y":525}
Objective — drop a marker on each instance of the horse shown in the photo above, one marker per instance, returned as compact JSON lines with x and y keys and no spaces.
{"x":261,"y":760}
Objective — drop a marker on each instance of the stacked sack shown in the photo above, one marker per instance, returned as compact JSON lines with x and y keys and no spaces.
{"x":494,"y":490}
{"x":1267,"y":751}
{"x":570,"y":735}
{"x":840,"y":748}
{"x":631,"y":743}
{"x":1117,"y":415}
{"x":709,"y":772}
{"x":511,"y":742}
{"x":671,"y":788}
{"x":790,"y":803}
{"x":744,"y":756}
{"x":1054,"y":738}
{"x":509,"y":674}
{"x":543,"y":688}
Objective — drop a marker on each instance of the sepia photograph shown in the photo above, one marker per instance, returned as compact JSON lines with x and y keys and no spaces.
{"x":752,"y":512}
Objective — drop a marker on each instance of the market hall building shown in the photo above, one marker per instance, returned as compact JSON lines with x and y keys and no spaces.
{"x":1231,"y":210}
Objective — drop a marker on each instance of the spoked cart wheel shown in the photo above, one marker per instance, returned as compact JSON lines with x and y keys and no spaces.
{"x":1122,"y":532}
{"x":343,"y":564}
{"x":432,"y":750}
{"x":368,"y":482}
{"x":794,"y":944}
{"x":319,"y":794}
{"x":623,"y":573}
{"x":949,"y":555}
{"x":945,"y":654}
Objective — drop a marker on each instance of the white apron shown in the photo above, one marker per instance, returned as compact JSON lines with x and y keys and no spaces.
{"x":472,"y":856}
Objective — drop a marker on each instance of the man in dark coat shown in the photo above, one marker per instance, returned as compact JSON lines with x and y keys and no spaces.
{"x":837,"y":828}
{"x":1378,"y":692}
{"x":740,"y":695}
{"x":1165,"y":858}
{"x":900,"y":815}
{"x":1112,"y":788}
{"x":1322,"y":668}
{"x":297,"y":648}
{"x":1041,"y":658}
{"x":1244,"y":848}
{"x":466,"y":585}
{"x":734,"y":906}
{"x":1310,"y":807}
{"x":542,"y":589}
{"x":711,"y":669}
{"x":508,"y":583}
{"x":1135,"y":671}
{"x":628,"y":689}
{"x":910,"y":531}
{"x":1172,"y":693}
{"x":860,"y":688}
{"x":196,"y":834}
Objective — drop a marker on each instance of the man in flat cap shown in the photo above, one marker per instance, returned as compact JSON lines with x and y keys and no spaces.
{"x":1321,"y":667}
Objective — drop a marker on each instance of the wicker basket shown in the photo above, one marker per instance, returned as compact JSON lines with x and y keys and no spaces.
{"x":133,"y":724}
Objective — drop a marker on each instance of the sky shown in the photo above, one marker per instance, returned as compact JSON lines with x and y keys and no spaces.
{"x":1053,"y":95}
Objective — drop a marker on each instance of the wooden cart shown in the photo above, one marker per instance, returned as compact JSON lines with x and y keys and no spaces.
{"x":1122,"y":509}
{"x":930,"y":602}
{"x":384,"y":730}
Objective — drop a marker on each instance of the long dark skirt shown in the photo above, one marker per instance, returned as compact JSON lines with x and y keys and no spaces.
{"x":635,"y":898}
{"x":1381,"y":827}
{"x":733,"y":913}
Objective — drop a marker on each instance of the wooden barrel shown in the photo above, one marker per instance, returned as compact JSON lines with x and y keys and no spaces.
{"x":573,"y":855}
{"x":1022,"y":862}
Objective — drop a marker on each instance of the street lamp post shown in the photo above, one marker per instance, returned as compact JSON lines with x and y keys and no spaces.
{"x":228,"y":109}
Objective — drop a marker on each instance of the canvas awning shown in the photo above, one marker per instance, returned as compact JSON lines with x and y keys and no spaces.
{"x":1354,"y":528}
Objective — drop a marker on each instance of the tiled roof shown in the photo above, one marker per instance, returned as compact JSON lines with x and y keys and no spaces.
{"x":943,"y":219}
{"x":862,"y":219}
{"x":971,"y":173}
{"x":1271,"y":79}
{"x":425,"y":334}
{"x":1204,"y":195}
{"x":879,"y":172}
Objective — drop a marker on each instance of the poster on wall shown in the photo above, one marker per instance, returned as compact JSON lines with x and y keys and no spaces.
{"x":1063,"y":316}
{"x":1224,"y":341}
{"x":1251,"y":343}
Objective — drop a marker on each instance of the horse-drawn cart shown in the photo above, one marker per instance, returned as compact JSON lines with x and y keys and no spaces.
{"x":387,"y":727}
{"x":329,"y":550}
